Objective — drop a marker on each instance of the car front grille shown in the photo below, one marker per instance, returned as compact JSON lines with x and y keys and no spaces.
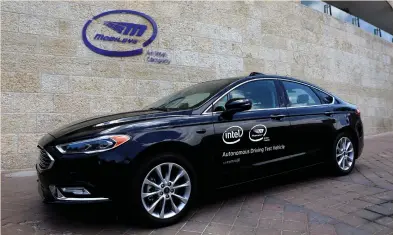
{"x":45,"y":160}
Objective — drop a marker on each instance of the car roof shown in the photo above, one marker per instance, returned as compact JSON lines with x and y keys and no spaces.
{"x":274,"y":76}
{"x":255,"y":75}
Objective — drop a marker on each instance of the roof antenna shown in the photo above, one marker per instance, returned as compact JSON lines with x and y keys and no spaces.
{"x":255,"y":73}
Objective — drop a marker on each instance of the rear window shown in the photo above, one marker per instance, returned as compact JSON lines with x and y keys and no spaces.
{"x":300,"y":95}
{"x":325,"y":98}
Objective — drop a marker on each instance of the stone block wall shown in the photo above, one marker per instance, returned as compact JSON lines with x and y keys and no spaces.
{"x":50,"y":78}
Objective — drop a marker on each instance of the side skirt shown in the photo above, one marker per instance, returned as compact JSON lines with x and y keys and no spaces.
{"x":269,"y":176}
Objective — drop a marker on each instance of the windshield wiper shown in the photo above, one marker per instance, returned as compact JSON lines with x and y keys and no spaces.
{"x":159,"y":109}
{"x":171,"y":102}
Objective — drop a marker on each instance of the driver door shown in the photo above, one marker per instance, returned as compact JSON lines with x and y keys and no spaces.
{"x":249,"y":140}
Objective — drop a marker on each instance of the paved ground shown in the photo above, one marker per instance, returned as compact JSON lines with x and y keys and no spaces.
{"x":308,"y":202}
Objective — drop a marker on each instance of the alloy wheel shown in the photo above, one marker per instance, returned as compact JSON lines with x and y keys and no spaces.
{"x":166,"y":190}
{"x":344,"y":153}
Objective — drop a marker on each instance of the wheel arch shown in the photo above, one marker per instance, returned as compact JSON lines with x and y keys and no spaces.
{"x":189,"y":153}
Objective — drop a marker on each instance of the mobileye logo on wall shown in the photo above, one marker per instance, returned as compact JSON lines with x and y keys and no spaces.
{"x":232,"y":135}
{"x":119,"y":33}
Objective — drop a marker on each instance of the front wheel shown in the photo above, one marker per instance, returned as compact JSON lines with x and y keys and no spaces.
{"x":164,"y":190}
{"x":344,"y":154}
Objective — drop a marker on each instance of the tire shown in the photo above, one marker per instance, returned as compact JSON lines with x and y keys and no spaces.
{"x":343,"y":158}
{"x":165,"y":193}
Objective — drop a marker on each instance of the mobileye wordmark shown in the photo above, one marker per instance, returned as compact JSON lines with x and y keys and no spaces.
{"x":125,"y":29}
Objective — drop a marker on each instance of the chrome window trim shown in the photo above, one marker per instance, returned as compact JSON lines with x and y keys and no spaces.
{"x":251,"y":110}
{"x":305,"y":106}
{"x":267,"y":78}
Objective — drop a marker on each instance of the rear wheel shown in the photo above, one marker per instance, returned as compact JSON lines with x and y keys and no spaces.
{"x":344,"y":154}
{"x":164,"y":189}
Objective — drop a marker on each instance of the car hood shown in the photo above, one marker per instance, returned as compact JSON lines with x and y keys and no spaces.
{"x":104,"y":121}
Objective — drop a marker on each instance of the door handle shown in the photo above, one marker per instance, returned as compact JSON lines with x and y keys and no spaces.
{"x":328,"y":113}
{"x":277,"y":116}
{"x":201,"y":131}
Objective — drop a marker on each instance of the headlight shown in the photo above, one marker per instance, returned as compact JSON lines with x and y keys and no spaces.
{"x":100,"y":144}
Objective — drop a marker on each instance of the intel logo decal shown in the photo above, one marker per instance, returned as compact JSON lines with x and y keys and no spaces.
{"x":257,"y":133}
{"x":119,"y":33}
{"x":232,"y":135}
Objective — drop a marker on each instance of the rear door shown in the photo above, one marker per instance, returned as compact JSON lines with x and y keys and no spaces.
{"x":312,"y":120}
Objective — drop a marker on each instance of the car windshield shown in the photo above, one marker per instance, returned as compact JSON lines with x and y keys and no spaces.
{"x":191,"y":97}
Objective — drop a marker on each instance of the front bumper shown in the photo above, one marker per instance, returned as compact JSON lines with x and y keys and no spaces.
{"x":56,"y":193}
{"x":104,"y":174}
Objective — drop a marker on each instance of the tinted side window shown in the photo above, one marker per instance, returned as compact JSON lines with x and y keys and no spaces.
{"x":220,"y":105}
{"x":325,"y":98}
{"x":262,"y":94}
{"x":300,"y":95}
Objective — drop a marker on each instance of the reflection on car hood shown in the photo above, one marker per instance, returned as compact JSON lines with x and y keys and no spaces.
{"x":107,"y":120}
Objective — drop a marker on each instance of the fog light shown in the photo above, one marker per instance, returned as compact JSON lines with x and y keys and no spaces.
{"x":76,"y":190}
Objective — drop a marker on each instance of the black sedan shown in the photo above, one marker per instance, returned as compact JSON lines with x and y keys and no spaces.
{"x":217,"y":134}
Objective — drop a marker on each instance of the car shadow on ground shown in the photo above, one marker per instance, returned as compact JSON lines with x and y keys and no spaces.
{"x":109,"y":215}
{"x":269,"y":184}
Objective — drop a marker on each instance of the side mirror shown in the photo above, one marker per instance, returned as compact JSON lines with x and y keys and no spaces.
{"x":237,"y":105}
{"x":219,"y":109}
